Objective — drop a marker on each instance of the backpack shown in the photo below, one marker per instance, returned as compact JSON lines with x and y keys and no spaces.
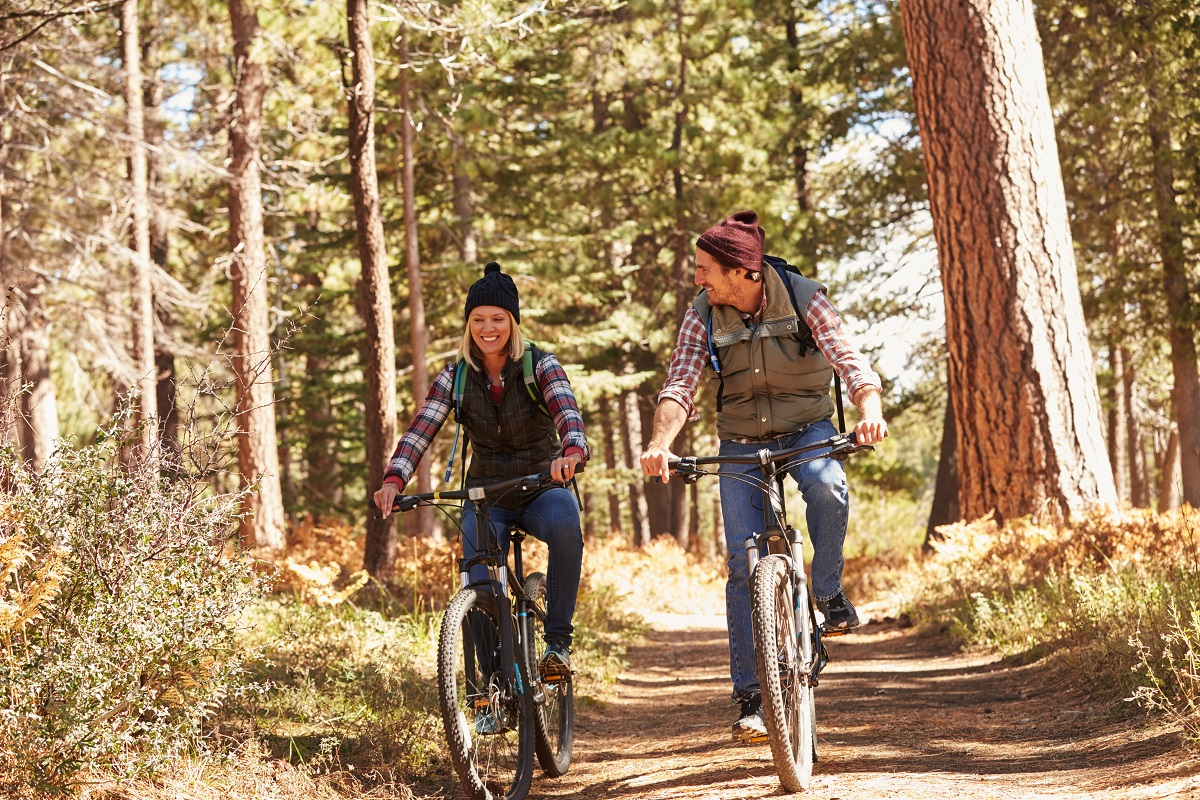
{"x":806,"y":340}
{"x":460,"y":383}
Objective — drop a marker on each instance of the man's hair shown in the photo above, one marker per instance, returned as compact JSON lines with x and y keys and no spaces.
{"x":516,"y":342}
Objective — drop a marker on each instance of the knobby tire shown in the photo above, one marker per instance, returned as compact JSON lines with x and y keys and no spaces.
{"x":490,"y":766}
{"x":781,"y":652}
{"x":553,"y":703}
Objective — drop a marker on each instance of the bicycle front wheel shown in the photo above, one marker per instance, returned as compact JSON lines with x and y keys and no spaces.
{"x":488,"y":720}
{"x":782,"y":665}
{"x":553,"y":702}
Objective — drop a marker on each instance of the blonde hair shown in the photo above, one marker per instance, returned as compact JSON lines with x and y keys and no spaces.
{"x":516,"y":343}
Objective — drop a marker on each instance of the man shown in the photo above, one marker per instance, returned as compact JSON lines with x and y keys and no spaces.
{"x":772,"y":389}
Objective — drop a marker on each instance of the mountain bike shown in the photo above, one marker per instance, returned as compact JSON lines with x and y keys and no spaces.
{"x":497,"y":711}
{"x":789,"y":653}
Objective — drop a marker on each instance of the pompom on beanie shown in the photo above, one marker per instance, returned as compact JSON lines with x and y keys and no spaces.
{"x":735,"y":242}
{"x":494,"y":289}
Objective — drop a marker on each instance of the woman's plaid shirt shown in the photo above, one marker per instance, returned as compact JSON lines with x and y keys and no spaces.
{"x":691,"y":353}
{"x":439,"y":405}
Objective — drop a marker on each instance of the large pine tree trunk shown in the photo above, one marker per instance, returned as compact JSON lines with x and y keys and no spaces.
{"x":258,"y":458}
{"x":1026,"y":405}
{"x":1168,"y":472}
{"x":379,"y":363}
{"x":142,"y":293}
{"x":1185,"y":396}
{"x":412,"y":258}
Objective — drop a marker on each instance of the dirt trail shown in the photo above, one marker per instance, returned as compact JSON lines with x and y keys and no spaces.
{"x":898,"y":716}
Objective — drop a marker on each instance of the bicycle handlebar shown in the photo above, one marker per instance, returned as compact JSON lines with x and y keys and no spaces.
{"x":526,"y":483}
{"x":839,"y":444}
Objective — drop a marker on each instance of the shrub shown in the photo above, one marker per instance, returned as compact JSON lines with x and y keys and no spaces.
{"x":120,"y":595}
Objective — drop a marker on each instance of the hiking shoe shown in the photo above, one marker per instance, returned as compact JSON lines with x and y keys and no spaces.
{"x":750,"y":726}
{"x":555,"y":664}
{"x":839,"y":614}
{"x":487,"y":724}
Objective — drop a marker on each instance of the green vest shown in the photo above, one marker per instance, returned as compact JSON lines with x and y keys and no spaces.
{"x":769,"y":388}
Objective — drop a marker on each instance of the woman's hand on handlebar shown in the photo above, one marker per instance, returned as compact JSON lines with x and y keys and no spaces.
{"x":563,"y":469}
{"x":385,"y":498}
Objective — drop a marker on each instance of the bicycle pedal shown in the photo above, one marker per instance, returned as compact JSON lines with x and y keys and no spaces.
{"x":834,"y":631}
{"x":756,"y":739}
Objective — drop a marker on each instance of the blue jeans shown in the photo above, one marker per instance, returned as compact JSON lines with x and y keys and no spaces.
{"x":823,"y":486}
{"x":551,"y":517}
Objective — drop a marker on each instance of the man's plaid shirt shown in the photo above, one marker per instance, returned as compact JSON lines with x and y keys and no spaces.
{"x":691,"y":353}
{"x":551,"y":379}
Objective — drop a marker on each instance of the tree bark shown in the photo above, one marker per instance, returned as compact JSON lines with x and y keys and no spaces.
{"x":379,"y":362}
{"x":1117,"y":417}
{"x":1181,"y":308}
{"x":258,"y":459}
{"x":1168,"y":473}
{"x":1135,"y":446}
{"x":38,"y":424}
{"x":945,"y":508}
{"x":631,"y":440}
{"x":1026,"y":405}
{"x":464,"y":202}
{"x":412,"y":258}
{"x":142,"y":291}
{"x":610,"y":463}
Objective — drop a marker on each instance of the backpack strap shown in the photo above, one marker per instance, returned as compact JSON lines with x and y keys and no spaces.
{"x":530,"y":377}
{"x":460,"y":380}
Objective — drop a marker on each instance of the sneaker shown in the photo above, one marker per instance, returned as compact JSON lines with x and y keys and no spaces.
{"x":750,"y":726}
{"x":486,"y":724}
{"x":555,"y":664}
{"x":839,"y":614}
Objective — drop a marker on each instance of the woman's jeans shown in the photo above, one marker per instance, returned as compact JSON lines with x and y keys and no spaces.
{"x":823,"y":486}
{"x":551,"y":517}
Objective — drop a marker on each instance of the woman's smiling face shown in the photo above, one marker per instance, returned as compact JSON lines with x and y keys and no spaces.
{"x":491,"y":327}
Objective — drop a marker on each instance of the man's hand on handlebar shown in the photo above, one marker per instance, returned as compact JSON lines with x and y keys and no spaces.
{"x":655,"y":463}
{"x":871,"y":431}
{"x":385,"y":498}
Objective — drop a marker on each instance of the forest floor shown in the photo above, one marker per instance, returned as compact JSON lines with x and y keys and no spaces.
{"x":898,"y":716}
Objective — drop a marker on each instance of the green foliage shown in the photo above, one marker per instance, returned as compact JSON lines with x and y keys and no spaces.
{"x":124,"y":590}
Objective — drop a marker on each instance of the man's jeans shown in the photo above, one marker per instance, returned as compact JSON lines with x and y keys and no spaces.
{"x":552,"y":517}
{"x":823,"y":486}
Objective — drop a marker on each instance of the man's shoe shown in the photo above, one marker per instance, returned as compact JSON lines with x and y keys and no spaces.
{"x":750,"y":726}
{"x":555,"y":664}
{"x":486,"y":724}
{"x":840,"y":616}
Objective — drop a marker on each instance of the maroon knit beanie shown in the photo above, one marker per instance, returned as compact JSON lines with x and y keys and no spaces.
{"x":736,"y":242}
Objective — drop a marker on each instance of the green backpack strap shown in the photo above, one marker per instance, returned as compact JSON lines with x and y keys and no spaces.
{"x":531,"y":387}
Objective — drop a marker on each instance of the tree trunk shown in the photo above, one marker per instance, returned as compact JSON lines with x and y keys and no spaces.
{"x":945,"y":487}
{"x":379,"y":362}
{"x":1135,"y":447}
{"x":610,"y":463}
{"x":682,"y":245}
{"x":412,"y":258}
{"x":1117,"y":417}
{"x":322,"y":471}
{"x":801,"y":144}
{"x":142,"y":291}
{"x":258,"y":459}
{"x":38,"y":425}
{"x":464,"y":203}
{"x":631,"y":439}
{"x":1025,"y":401}
{"x":1168,"y":473}
{"x":1181,"y":309}
{"x":160,"y":246}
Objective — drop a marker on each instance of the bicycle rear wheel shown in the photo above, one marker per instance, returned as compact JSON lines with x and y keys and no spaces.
{"x":488,"y":722}
{"x":553,"y":703}
{"x":780,"y":650}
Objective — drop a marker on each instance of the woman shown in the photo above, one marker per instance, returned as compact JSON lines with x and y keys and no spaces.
{"x":510,"y":437}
